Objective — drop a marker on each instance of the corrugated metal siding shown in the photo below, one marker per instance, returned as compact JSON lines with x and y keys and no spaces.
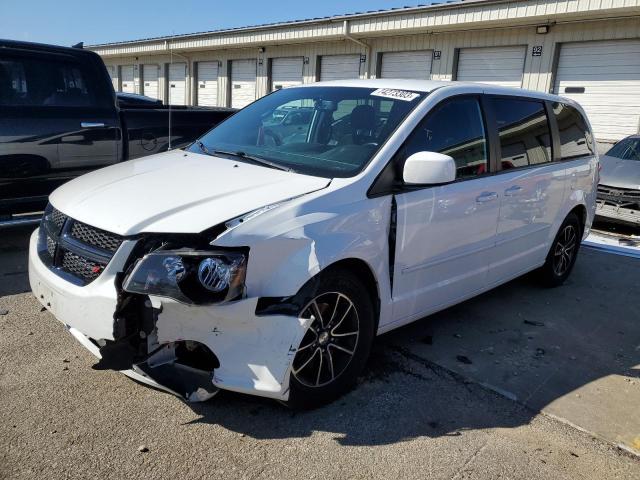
{"x":604,"y":77}
{"x":538,"y":70}
{"x":493,"y":65}
{"x":428,"y":18}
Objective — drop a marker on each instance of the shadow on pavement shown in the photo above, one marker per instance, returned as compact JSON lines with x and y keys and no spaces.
{"x":14,"y":249}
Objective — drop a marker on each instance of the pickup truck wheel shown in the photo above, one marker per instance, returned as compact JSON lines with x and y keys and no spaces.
{"x":563,"y":253}
{"x":335,"y":348}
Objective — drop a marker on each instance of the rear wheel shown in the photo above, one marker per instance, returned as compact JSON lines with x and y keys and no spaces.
{"x":335,"y":348}
{"x":563,"y":253}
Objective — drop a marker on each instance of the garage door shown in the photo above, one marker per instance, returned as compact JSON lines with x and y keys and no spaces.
{"x":150,"y":80}
{"x":112,"y":75}
{"x":243,"y":82}
{"x":494,"y":65}
{"x":126,"y":71}
{"x":177,"y":84}
{"x":208,"y":84}
{"x":414,"y":65}
{"x":286,"y":72}
{"x":604,"y":77}
{"x":339,"y":67}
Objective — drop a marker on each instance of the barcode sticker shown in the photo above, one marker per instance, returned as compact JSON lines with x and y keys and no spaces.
{"x":395,"y":94}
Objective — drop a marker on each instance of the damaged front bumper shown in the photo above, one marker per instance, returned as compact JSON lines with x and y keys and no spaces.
{"x":617,"y":213}
{"x":251,"y":353}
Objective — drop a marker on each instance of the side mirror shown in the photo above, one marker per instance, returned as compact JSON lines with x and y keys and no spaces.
{"x":424,"y":168}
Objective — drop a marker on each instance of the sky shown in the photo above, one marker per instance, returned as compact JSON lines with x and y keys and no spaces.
{"x":67,"y":22}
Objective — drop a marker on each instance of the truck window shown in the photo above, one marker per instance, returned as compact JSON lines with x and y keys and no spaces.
{"x":33,"y":81}
{"x":523,"y":127}
{"x":575,"y":137}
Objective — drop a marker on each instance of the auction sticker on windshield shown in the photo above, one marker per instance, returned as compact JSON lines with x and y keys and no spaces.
{"x":395,"y":94}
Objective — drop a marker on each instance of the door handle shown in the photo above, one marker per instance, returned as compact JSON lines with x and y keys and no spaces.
{"x":513,"y":190}
{"x":486,"y":197}
{"x":91,"y":124}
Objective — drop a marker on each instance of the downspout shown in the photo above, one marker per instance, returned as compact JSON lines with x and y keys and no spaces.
{"x":367,"y":47}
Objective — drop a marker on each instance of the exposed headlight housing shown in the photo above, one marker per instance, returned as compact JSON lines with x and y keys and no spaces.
{"x":190,"y":276}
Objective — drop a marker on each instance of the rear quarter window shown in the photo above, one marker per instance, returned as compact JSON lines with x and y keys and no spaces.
{"x":575,"y":137}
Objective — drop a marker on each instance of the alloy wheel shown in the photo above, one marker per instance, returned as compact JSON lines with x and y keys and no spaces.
{"x":330,"y":342}
{"x":565,"y":250}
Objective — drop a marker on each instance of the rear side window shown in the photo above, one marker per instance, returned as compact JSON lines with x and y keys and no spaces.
{"x":523,"y":127}
{"x":454,"y":128}
{"x":575,"y":138}
{"x":34,"y":81}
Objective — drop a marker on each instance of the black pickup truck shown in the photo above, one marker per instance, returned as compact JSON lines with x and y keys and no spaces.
{"x":60,"y":118}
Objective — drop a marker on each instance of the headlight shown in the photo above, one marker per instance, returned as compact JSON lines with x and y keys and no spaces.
{"x":189,"y":276}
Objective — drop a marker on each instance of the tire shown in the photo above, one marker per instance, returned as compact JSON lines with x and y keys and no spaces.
{"x":331,"y":356}
{"x":563,"y":253}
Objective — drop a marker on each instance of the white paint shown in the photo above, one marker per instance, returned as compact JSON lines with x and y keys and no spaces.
{"x":609,"y":74}
{"x":449,"y":245}
{"x":177,"y":83}
{"x":150,"y":81}
{"x":175,"y":199}
{"x":207,"y":93}
{"x":286,"y":72}
{"x":243,"y":82}
{"x":113,"y":76}
{"x":128,"y":85}
{"x":502,"y":66}
{"x":414,"y":65}
{"x":339,"y":67}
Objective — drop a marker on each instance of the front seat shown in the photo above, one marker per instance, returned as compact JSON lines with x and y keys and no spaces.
{"x":363,"y":124}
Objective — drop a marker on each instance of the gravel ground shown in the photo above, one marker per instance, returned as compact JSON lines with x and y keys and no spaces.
{"x":407,"y":418}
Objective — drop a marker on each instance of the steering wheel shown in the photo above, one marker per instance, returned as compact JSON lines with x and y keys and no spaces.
{"x":267,"y":132}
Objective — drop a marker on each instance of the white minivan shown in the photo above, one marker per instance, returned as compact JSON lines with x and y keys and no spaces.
{"x":265,"y":257}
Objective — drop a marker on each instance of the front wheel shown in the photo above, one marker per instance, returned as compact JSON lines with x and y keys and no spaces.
{"x":563,"y":253}
{"x":335,"y":348}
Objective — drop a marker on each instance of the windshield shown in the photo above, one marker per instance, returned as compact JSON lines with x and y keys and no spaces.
{"x":322,"y":131}
{"x":627,"y":149}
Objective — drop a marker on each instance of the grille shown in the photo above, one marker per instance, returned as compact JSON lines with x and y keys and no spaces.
{"x":80,"y":267}
{"x":95,"y":237}
{"x":75,"y":250}
{"x":619,"y":197}
{"x":58,"y":218}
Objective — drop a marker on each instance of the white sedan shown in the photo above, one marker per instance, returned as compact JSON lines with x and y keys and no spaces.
{"x":266,"y":257}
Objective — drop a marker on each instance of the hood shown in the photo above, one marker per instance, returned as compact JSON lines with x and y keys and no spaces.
{"x":620,"y":173}
{"x":176,"y":192}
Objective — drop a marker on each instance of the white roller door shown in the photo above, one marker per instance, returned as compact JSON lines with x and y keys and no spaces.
{"x":243,"y":82}
{"x":604,"y":77}
{"x":126,"y":71}
{"x":494,"y":65}
{"x":177,"y":83}
{"x":413,"y":65}
{"x":112,"y":75}
{"x":150,"y":81}
{"x":208,"y":84}
{"x":286,"y":72}
{"x":339,"y":67}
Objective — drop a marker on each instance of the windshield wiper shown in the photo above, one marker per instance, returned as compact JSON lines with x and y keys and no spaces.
{"x":203,"y":148}
{"x":251,"y":158}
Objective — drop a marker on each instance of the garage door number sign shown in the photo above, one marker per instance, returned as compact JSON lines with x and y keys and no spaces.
{"x":395,"y":94}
